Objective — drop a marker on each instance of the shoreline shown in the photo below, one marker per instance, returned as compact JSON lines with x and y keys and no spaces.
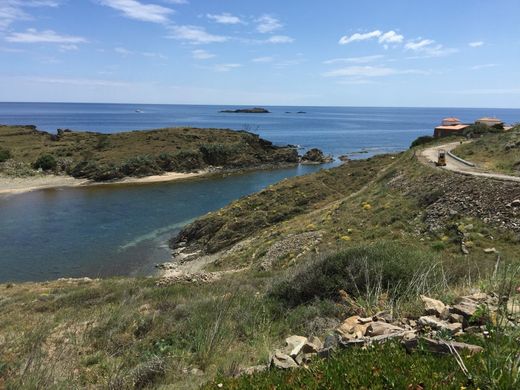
{"x":19,"y":185}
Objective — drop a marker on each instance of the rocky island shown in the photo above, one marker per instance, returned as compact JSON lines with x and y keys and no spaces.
{"x":256,"y":110}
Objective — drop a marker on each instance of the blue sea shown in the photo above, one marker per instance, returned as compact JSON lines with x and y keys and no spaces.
{"x":123,"y":230}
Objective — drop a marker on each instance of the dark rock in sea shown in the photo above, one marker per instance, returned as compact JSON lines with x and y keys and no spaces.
{"x":344,"y":158}
{"x":256,"y":110}
{"x":315,"y":156}
{"x":301,"y":112}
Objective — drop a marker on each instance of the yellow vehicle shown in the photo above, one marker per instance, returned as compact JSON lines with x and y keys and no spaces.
{"x":441,"y":162}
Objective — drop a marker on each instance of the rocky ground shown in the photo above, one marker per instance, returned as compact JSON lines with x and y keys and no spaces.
{"x":436,"y":331}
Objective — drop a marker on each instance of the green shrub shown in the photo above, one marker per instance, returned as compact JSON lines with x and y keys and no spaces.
{"x":4,"y":155}
{"x":103,"y":142}
{"x":364,"y":272}
{"x":140,"y":166}
{"x":217,"y":154}
{"x":422,"y":140}
{"x":480,"y":129}
{"x":46,"y":163}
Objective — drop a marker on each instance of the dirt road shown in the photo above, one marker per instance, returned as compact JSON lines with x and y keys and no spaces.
{"x":431,"y":154}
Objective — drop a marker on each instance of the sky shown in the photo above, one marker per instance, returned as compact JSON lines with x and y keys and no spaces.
{"x":408,"y":53}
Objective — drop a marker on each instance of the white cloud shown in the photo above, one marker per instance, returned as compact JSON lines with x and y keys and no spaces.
{"x":483,"y":66}
{"x":268,"y":24}
{"x":370,"y":71}
{"x":14,"y":10}
{"x":418,"y":44}
{"x":178,"y":2}
{"x":48,"y":36}
{"x":354,"y":60}
{"x":202,"y":55}
{"x":361,"y":71}
{"x":344,"y":40}
{"x":288,"y":63}
{"x":225,"y":18}
{"x":476,"y":44}
{"x":79,"y":82}
{"x":428,"y":48}
{"x":226,"y":67}
{"x":69,"y":47}
{"x":125,"y":52}
{"x":195,"y":35}
{"x":134,"y":9}
{"x":263,"y":59}
{"x":391,"y":37}
{"x":279,"y":39}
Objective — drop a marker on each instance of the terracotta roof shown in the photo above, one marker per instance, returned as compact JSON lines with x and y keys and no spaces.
{"x":452,"y":128}
{"x":487,"y":119}
{"x":451,"y":120}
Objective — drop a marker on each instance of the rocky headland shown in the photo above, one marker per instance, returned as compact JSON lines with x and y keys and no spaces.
{"x":26,"y":151}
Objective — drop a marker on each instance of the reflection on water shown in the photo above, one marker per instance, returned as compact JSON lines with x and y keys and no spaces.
{"x":110,"y":230}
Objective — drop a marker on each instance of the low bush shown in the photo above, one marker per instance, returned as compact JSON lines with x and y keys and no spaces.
{"x":422,"y":140}
{"x":46,"y":163}
{"x":217,"y":154}
{"x":480,"y":129}
{"x":4,"y":155}
{"x":365,"y":272}
{"x":140,"y":166}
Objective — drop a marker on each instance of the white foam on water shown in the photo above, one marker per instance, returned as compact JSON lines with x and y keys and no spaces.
{"x":153,"y":235}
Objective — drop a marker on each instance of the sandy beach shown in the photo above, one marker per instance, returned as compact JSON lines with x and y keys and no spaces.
{"x":12,"y":186}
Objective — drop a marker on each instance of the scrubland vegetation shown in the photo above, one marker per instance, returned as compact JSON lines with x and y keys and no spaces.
{"x":102,"y":157}
{"x":498,"y":152}
{"x":390,"y":229}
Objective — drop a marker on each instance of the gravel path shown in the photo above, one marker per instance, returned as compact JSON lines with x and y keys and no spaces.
{"x":430,"y":155}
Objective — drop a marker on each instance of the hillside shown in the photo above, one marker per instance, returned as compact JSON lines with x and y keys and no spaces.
{"x":497,"y":152}
{"x":297,"y":258}
{"x":102,"y":157}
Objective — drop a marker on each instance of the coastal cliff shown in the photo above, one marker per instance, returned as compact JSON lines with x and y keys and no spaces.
{"x":105,"y":157}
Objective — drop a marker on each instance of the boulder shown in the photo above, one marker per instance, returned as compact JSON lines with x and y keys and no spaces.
{"x":315,"y":156}
{"x":351,"y":328}
{"x":490,"y":250}
{"x":313,"y":345}
{"x":344,"y":158}
{"x":454,"y":318}
{"x":380,"y":328}
{"x":465,"y":308}
{"x":437,"y":324}
{"x":434,"y":307}
{"x":283,"y":361}
{"x":294,"y":344}
{"x":515,"y":203}
{"x":383,"y":316}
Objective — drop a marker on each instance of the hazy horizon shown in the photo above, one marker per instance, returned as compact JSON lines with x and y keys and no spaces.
{"x":256,"y":105}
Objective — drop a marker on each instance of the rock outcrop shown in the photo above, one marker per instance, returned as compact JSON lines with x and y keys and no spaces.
{"x":315,"y":156}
